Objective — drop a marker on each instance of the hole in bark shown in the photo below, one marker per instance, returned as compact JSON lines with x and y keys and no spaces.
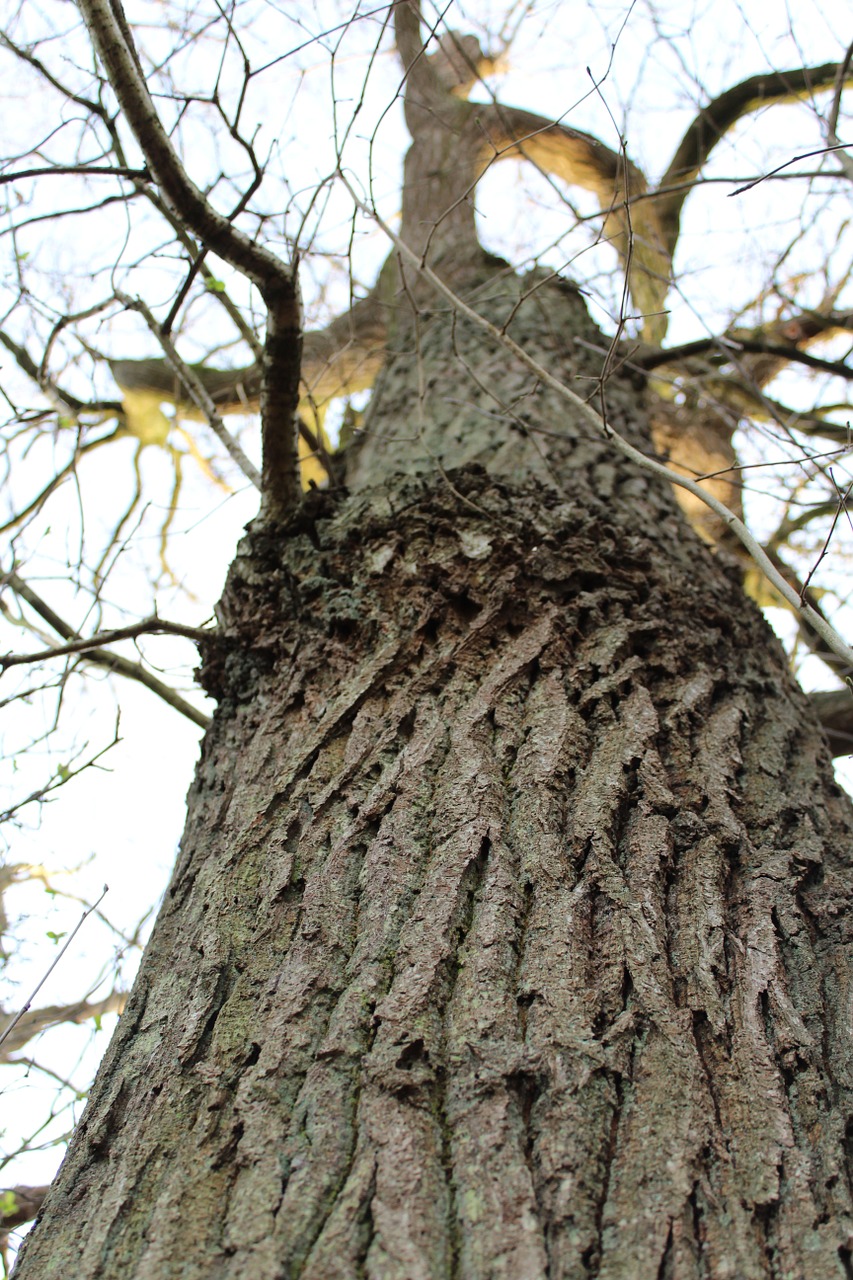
{"x":666,"y":1262}
{"x":291,"y":892}
{"x":344,"y":628}
{"x":643,"y":644}
{"x":226,"y":1155}
{"x":527,"y":1091}
{"x":412,"y":1054}
{"x":765,"y":1216}
{"x":524,"y":1001}
{"x":590,"y":1258}
{"x":406,"y":727}
{"x":464,"y":607}
{"x":699,"y":1233}
{"x":846,"y":1260}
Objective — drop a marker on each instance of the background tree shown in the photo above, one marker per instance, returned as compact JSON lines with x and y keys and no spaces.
{"x":509,"y":860}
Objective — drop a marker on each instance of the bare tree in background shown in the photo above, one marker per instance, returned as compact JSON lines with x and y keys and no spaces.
{"x":508,"y":935}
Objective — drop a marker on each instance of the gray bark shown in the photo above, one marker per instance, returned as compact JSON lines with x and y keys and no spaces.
{"x":510,"y":931}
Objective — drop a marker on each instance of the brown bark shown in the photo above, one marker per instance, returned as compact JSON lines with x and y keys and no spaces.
{"x":510,"y":932}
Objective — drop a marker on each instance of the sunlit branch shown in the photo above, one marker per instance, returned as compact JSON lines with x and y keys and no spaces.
{"x":62,"y":399}
{"x":37,"y":1020}
{"x":194,"y":389}
{"x":721,"y":347}
{"x":339,"y":360}
{"x":632,"y":225}
{"x":715,"y":119}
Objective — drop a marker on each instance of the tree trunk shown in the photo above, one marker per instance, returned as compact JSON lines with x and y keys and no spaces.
{"x":509,"y":936}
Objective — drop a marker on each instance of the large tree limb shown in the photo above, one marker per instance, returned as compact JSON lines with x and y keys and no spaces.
{"x":728,"y":349}
{"x":339,"y":360}
{"x":19,"y":1205}
{"x":835,"y":711}
{"x":579,"y":159}
{"x":714,"y":121}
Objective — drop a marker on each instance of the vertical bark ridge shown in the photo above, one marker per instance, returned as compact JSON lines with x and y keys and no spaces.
{"x":509,"y":918}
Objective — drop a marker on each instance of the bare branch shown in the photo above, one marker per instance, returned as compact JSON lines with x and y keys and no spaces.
{"x":275,"y":281}
{"x":580,"y":159}
{"x":35,"y":1021}
{"x":835,"y":711}
{"x":194,"y":389}
{"x":730,"y":347}
{"x":110,"y":36}
{"x":339,"y":360}
{"x":86,"y":170}
{"x":100,"y":657}
{"x":19,"y":1017}
{"x":148,"y":626}
{"x":19,"y":1205}
{"x":720,"y":115}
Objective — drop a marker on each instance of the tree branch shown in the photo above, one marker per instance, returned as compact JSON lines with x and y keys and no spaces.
{"x":148,"y":626}
{"x":579,"y":159}
{"x":835,"y":711}
{"x":339,"y":360}
{"x":85,"y":170}
{"x":101,"y":658}
{"x":275,"y":281}
{"x":720,"y":115}
{"x":729,"y":348}
{"x":420,"y":72}
{"x":62,"y":400}
{"x":54,"y":1015}
{"x":19,"y":1205}
{"x":195,"y":390}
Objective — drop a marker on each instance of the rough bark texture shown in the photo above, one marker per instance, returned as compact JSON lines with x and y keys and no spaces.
{"x":510,"y":934}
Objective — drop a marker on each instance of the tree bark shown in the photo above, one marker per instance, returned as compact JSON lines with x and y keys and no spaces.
{"x":510,"y":932}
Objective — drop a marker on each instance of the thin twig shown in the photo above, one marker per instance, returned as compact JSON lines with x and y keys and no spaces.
{"x":806,"y":155}
{"x":195,"y":389}
{"x":113,"y":662}
{"x":103,"y":170}
{"x":39,"y":986}
{"x":148,"y":626}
